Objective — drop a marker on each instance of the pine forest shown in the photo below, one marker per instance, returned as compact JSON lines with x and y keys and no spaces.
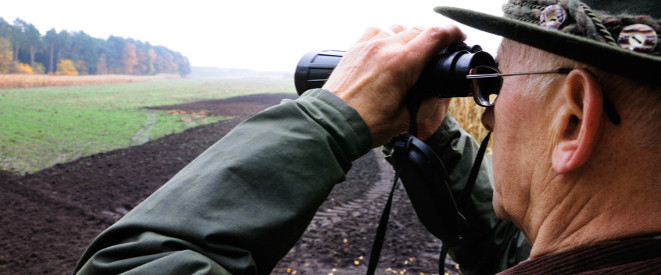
{"x":24,"y":50}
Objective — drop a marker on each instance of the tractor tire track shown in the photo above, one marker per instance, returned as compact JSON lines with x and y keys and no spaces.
{"x":342,"y":232}
{"x":142,"y":135}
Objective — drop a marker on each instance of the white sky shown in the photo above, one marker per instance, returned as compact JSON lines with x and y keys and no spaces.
{"x":262,"y":35}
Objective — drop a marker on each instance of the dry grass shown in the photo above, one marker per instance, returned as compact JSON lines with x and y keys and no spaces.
{"x":12,"y":81}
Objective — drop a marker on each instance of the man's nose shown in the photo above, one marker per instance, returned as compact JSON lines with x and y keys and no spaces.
{"x":487,"y":118}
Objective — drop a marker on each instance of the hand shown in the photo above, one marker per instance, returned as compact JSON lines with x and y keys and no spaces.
{"x":430,"y":116}
{"x":377,"y":72}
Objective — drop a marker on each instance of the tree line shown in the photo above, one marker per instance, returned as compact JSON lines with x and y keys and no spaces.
{"x":24,"y":50}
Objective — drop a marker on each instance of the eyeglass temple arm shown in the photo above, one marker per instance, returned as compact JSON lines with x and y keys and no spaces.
{"x":612,"y":113}
{"x":558,"y":71}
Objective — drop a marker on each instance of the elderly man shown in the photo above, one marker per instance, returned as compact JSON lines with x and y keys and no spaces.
{"x":575,"y":157}
{"x":575,"y":154}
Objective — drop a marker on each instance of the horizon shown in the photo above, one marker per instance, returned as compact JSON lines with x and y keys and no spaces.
{"x":263,"y":36}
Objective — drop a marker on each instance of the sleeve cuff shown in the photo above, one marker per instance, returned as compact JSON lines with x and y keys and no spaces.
{"x":340,"y":120}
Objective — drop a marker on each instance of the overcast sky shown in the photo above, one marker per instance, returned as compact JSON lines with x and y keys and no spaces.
{"x":262,"y":35}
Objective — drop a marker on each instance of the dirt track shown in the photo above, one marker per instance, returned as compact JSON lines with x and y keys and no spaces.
{"x":49,"y":217}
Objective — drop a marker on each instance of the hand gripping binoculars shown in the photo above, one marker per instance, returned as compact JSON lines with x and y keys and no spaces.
{"x":444,"y":76}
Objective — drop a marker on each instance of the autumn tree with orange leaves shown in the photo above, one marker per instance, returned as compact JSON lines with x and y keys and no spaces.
{"x":25,"y":46}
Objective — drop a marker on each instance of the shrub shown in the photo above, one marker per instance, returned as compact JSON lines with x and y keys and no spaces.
{"x":66,"y":67}
{"x":38,"y":68}
{"x":21,"y":68}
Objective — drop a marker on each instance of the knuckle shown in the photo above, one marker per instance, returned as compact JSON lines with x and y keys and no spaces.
{"x":418,"y":28}
{"x":373,"y":47}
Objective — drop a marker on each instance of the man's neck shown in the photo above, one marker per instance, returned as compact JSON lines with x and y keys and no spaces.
{"x":614,"y":211}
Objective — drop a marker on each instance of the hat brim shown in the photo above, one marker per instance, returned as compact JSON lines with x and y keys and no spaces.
{"x":593,"y":53}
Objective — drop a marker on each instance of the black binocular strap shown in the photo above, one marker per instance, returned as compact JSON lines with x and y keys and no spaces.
{"x":413,"y":105}
{"x":377,"y":245}
{"x":465,"y":195}
{"x":381,"y":230}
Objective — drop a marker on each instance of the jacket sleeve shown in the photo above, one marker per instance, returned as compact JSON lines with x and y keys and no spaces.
{"x":242,"y":204}
{"x":491,"y":244}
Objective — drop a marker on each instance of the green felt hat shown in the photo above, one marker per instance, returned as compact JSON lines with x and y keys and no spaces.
{"x":614,"y":35}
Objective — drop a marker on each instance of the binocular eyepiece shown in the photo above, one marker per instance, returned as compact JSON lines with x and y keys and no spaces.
{"x":444,"y":76}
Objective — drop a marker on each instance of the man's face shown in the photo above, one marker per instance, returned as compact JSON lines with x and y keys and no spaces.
{"x":521,"y":154}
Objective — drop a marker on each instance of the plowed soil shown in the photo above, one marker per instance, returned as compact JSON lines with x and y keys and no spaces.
{"x":48,"y":218}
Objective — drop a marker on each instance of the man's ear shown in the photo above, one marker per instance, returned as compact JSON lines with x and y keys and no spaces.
{"x":581,"y":120}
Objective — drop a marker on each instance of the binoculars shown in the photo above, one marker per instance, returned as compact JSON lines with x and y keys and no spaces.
{"x":444,"y":76}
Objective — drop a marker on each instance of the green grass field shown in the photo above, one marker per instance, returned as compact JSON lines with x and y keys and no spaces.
{"x":40,"y":127}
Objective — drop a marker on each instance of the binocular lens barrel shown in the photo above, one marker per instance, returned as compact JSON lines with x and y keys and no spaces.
{"x":314,"y":68}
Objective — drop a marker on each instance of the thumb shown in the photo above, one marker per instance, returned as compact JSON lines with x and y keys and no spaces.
{"x":430,"y":116}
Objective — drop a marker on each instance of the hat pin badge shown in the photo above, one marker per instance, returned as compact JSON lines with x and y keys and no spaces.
{"x":638,"y":37}
{"x":552,"y":17}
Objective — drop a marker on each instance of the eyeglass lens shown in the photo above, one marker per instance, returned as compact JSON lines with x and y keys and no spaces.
{"x":485,"y":90}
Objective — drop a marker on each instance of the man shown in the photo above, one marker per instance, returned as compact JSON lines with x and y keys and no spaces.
{"x":574,"y":156}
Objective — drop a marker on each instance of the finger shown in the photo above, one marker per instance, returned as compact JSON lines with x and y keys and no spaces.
{"x":437,"y":38}
{"x":376,"y":33}
{"x":369,"y":34}
{"x":409,"y":34}
{"x":432,"y":40}
{"x":433,"y":107}
{"x":428,"y":108}
{"x":397,"y":28}
{"x":430,"y":116}
{"x":444,"y":103}
{"x":385,"y":33}
{"x":391,"y":31}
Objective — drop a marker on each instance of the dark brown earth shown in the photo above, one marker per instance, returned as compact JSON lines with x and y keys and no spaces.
{"x":48,"y":218}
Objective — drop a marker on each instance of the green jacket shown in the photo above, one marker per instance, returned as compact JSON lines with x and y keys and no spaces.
{"x":242,"y":204}
{"x":492,"y":244}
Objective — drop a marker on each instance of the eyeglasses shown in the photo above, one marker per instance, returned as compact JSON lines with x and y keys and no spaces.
{"x":487,"y":81}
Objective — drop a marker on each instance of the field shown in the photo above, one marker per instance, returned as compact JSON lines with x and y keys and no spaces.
{"x":42,"y":126}
{"x":9,"y":81}
{"x":113,"y":149}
